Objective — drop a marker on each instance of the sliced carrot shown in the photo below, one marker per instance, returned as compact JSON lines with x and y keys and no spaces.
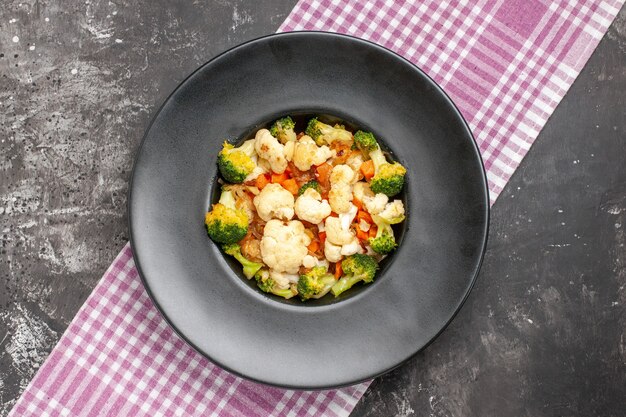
{"x":313,"y":246}
{"x":323,"y":173}
{"x":357,"y":203}
{"x":361,"y":234}
{"x":261,"y":181}
{"x":322,"y":237}
{"x":367,"y":168}
{"x":338,"y":270}
{"x":290,"y":185}
{"x":373,"y":230}
{"x":364,"y":215}
{"x":279,"y":178}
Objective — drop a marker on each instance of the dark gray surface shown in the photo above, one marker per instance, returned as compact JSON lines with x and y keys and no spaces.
{"x":542,"y":333}
{"x":66,"y":148}
{"x":72,"y":114}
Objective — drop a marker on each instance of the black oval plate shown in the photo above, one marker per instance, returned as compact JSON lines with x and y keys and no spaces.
{"x":297,"y":345}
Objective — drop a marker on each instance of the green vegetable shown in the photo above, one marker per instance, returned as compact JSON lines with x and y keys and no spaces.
{"x":282,"y":129}
{"x":249,"y":268}
{"x":388,"y":178}
{"x":311,"y":184}
{"x":384,"y":241}
{"x":235,"y":164}
{"x":267,"y":284}
{"x":226,"y":223}
{"x":356,"y":268}
{"x":324,"y":134}
{"x":316,"y":283}
{"x":365,"y":141}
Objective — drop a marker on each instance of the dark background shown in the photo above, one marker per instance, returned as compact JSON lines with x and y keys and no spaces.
{"x":542,"y":333}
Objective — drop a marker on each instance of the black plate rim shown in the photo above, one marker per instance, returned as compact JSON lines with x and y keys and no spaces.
{"x":475,"y":148}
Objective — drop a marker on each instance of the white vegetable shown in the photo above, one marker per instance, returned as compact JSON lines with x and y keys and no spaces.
{"x":364,"y":226}
{"x":274,"y":202}
{"x":332,"y":252}
{"x":354,"y":161}
{"x":341,"y":174}
{"x":307,"y":153}
{"x":311,"y":208}
{"x":351,"y":248}
{"x":361,"y":190}
{"x":283,"y":279}
{"x":270,"y":149}
{"x":376,"y":204}
{"x":393,"y":212}
{"x":284,"y":246}
{"x":340,"y":197}
{"x":289,"y":149}
{"x":347,"y":218}
{"x":309,"y":261}
{"x":340,"y":194}
{"x":335,"y":234}
{"x":279,"y":278}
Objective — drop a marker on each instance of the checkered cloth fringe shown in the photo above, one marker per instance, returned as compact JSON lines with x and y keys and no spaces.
{"x":506,"y":64}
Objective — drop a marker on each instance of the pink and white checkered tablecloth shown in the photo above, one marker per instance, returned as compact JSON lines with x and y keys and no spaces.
{"x":506,"y":64}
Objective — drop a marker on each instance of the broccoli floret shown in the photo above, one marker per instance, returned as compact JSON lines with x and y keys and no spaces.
{"x":316,"y":283}
{"x":385,"y":241}
{"x":283,"y":130}
{"x":249,"y":268}
{"x":357,"y":267}
{"x":324,"y":134}
{"x":226,"y":223}
{"x":388,"y":178}
{"x":236,"y":164}
{"x":365,"y":141}
{"x":267,"y":284}
{"x":311,"y":184}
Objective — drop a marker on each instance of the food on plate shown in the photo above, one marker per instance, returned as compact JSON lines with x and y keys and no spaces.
{"x":226,"y":223}
{"x":307,"y":213}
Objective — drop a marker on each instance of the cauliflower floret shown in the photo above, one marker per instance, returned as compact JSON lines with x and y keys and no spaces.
{"x":274,"y":202}
{"x":361,"y":190}
{"x":335,"y":234}
{"x":283,"y":279}
{"x":311,"y":208}
{"x":309,"y":261}
{"x":289,"y":149}
{"x":284,"y":246}
{"x":347,"y":217}
{"x":340,"y":197}
{"x":341,"y":174}
{"x":354,"y":161}
{"x":270,"y":149}
{"x":332,"y":252}
{"x":364,"y":226}
{"x":376,"y":204}
{"x":307,"y":153}
{"x":394,"y":209}
{"x":351,"y":248}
